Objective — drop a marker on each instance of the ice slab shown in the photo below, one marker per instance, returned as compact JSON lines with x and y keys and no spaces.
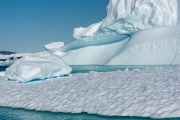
{"x":37,"y":66}
{"x":54,"y":45}
{"x":89,"y":31}
{"x":54,"y":48}
{"x":149,"y":93}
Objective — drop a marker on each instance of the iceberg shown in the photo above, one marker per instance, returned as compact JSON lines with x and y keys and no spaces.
{"x":40,"y":65}
{"x":134,"y":32}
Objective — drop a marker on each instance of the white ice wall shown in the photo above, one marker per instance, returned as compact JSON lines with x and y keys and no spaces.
{"x":159,"y":46}
{"x":151,"y":47}
{"x":93,"y":54}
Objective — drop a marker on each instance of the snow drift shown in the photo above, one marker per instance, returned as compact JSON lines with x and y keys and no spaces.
{"x":134,"y":32}
{"x":37,"y":66}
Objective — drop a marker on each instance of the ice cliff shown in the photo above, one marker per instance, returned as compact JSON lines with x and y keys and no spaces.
{"x":134,"y":32}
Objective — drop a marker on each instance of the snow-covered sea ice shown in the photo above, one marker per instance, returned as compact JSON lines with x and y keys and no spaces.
{"x":150,"y":93}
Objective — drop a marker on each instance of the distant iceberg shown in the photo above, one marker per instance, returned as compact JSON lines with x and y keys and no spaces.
{"x":8,"y":58}
{"x":134,"y":32}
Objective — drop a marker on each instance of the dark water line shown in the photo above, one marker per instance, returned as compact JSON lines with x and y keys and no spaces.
{"x":7,"y":113}
{"x":107,"y":68}
{"x":111,"y":68}
{"x":3,"y":68}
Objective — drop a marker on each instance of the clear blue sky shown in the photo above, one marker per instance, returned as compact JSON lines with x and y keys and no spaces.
{"x":27,"y":25}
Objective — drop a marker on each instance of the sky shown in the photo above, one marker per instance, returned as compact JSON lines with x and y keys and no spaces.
{"x":27,"y":25}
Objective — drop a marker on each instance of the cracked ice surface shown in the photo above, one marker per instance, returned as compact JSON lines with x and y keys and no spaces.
{"x":152,"y":93}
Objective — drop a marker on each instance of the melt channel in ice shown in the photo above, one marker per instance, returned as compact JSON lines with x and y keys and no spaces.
{"x":134,"y":32}
{"x":40,"y":65}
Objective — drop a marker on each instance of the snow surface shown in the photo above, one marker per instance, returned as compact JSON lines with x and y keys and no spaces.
{"x":40,"y":65}
{"x":2,"y":74}
{"x":134,"y":32}
{"x":151,"y":93}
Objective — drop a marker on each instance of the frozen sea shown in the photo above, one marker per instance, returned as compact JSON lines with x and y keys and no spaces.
{"x":7,"y":113}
